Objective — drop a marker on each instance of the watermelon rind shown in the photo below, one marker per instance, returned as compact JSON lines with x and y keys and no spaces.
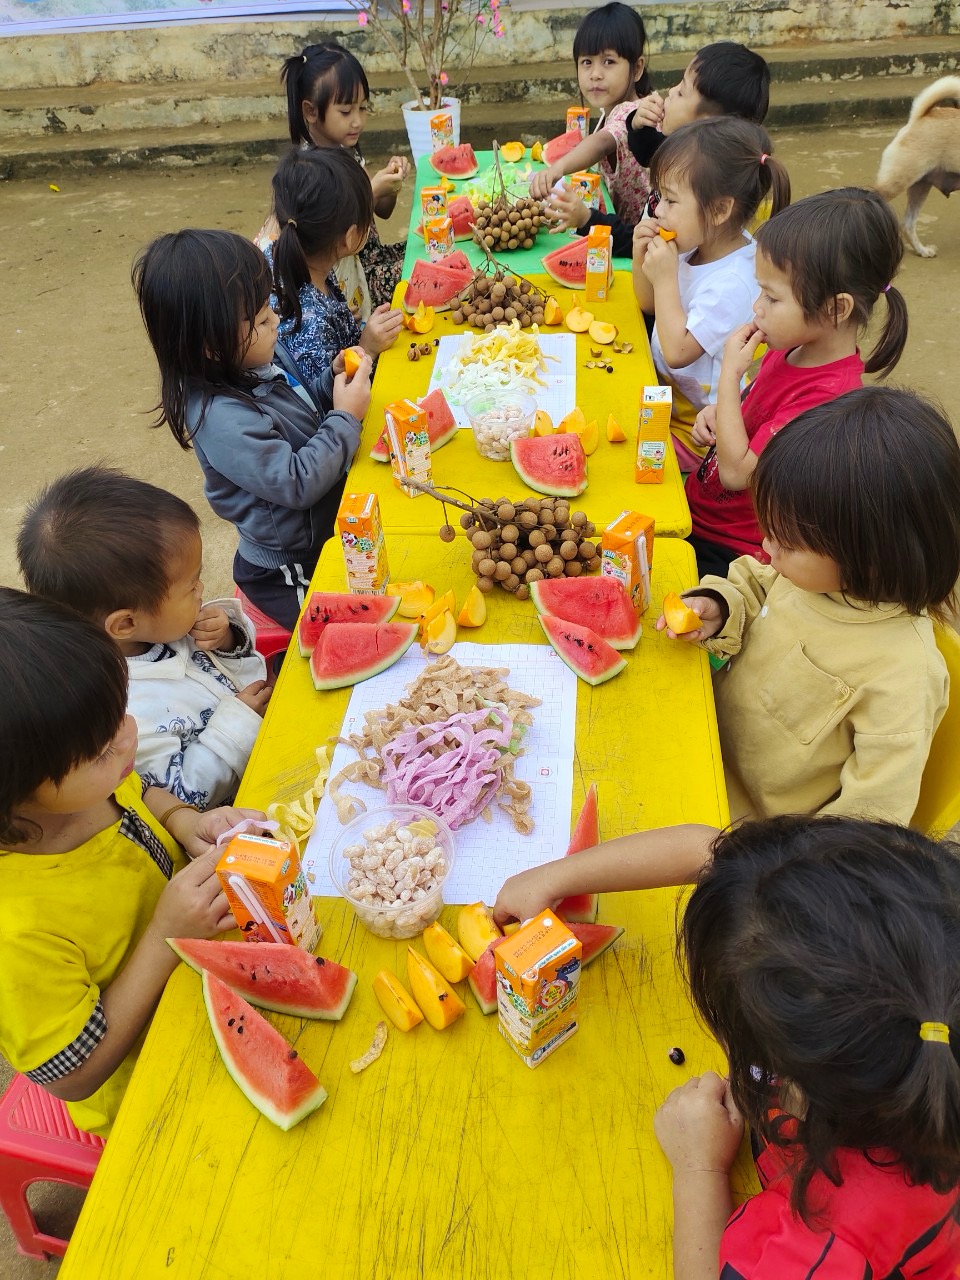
{"x":583,"y":907}
{"x":441,"y":426}
{"x":349,"y":652}
{"x":595,"y":939}
{"x":551,"y":464}
{"x":273,"y":975}
{"x":585,"y":653}
{"x":458,"y":161}
{"x":264,"y":1066}
{"x":600,"y":603}
{"x":561,"y":146}
{"x":435,"y":285}
{"x":568,"y":264}
{"x":325,"y":607}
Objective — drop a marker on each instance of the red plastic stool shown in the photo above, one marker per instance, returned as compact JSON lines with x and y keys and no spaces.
{"x":271,"y":637}
{"x":39,"y":1143}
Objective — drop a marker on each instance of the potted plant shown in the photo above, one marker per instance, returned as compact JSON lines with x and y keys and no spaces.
{"x":435,"y":35}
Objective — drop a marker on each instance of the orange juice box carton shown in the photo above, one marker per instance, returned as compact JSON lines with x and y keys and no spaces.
{"x":626,"y":553}
{"x":586,"y":183}
{"x":578,"y":118}
{"x":438,"y":237}
{"x":538,"y":982}
{"x":656,"y":407}
{"x":599,"y":264}
{"x":441,"y":130}
{"x":433,"y":202}
{"x":409,"y":444}
{"x":364,"y":548}
{"x":267,"y":891}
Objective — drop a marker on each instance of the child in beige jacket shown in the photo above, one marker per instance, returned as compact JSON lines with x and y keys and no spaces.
{"x":832,"y":684}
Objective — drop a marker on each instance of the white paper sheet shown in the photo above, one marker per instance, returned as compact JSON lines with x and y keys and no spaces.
{"x":486,"y":853}
{"x":558,"y":397}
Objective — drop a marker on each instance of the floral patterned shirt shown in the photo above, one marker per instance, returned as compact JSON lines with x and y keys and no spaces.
{"x":326,"y":328}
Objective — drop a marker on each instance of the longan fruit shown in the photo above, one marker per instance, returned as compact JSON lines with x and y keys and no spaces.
{"x":573,"y":568}
{"x":458,"y":316}
{"x":529,"y":557}
{"x":487,"y":568}
{"x":543,"y":554}
{"x":447,"y":533}
{"x":511,"y":583}
{"x":578,"y":519}
{"x":568,"y":550}
{"x":484,"y":584}
{"x":537,"y":538}
{"x":467,"y":520}
{"x":482,"y":539}
{"x":502,"y":571}
{"x":518,"y":565}
{"x":505,"y":510}
{"x":554,"y":567}
{"x":510,"y":314}
{"x":593,"y":565}
{"x":546,"y":515}
{"x":509,"y":533}
{"x":508,"y":551}
{"x":589,"y":529}
{"x":561,"y":513}
{"x":533,"y":575}
{"x":549,"y":531}
{"x":523,"y":591}
{"x":527,"y":520}
{"x":587,"y":550}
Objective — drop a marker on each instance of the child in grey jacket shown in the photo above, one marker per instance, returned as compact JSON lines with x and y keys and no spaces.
{"x":274,"y":449}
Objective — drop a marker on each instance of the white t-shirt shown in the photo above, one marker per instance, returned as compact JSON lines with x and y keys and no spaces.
{"x":717,"y":297}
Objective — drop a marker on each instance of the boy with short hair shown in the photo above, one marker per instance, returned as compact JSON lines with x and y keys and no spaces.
{"x":127,"y":555}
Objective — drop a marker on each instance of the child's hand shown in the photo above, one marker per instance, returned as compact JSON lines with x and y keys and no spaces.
{"x":566,"y":209}
{"x":711,"y":614}
{"x":388,"y":180}
{"x":193,"y":904}
{"x":255,"y":695}
{"x":524,"y":894}
{"x":211,"y":629}
{"x":354,"y":396}
{"x":704,"y":430}
{"x":198,"y":832}
{"x":699,"y":1127}
{"x":541,"y":183}
{"x":740,"y":349}
{"x":643,"y":233}
{"x":661,"y":260}
{"x":381,"y":330}
{"x":649,"y":113}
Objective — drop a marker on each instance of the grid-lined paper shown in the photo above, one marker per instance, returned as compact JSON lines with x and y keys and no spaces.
{"x":558,"y":397}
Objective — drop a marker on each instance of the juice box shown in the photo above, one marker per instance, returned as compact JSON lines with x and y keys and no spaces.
{"x":656,"y":406}
{"x":626,"y":553}
{"x":578,"y":118}
{"x":587,"y":185}
{"x":267,"y":891}
{"x":438,"y":236}
{"x":599,"y":264}
{"x":409,"y":444}
{"x":364,"y":549}
{"x":538,"y":982}
{"x":441,"y":130}
{"x":433,"y":202}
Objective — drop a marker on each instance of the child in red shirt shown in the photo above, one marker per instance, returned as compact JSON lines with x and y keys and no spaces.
{"x":821,"y":265}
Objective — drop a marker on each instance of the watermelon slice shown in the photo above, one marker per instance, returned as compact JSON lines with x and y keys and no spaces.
{"x":583,"y":906}
{"x":483,"y":979}
{"x":561,"y":146}
{"x":324,"y":607}
{"x":568,"y":264}
{"x":587,"y":656}
{"x":458,"y":259}
{"x":455,"y":162}
{"x":435,"y":285}
{"x":594,"y":938}
{"x":349,"y":652}
{"x":441,"y":428}
{"x":551,"y":464}
{"x":264,"y":1065}
{"x":274,"y":975}
{"x":602,"y":604}
{"x":462,"y":214}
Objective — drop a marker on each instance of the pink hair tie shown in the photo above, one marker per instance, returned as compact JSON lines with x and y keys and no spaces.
{"x":764,"y":158}
{"x":885,"y":289}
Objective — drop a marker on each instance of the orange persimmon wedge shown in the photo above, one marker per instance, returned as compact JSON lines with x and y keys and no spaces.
{"x":679,"y":618}
{"x":666,"y":235}
{"x":352,"y":359}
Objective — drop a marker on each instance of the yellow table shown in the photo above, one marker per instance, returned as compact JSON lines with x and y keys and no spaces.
{"x":612,"y":488}
{"x":447,"y":1158}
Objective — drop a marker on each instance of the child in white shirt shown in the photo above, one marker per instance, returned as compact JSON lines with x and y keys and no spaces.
{"x":127,"y":555}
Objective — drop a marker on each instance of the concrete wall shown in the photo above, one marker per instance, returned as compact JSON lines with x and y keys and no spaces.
{"x":536,"y":32}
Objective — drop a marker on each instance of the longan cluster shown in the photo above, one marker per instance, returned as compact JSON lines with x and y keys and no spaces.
{"x":528,"y":541}
{"x":491,"y":300}
{"x":504,"y":225}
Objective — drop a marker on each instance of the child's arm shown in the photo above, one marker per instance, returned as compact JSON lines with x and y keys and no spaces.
{"x":700,"y":1131}
{"x":660,"y":266}
{"x":736,"y":461}
{"x":644,"y":860}
{"x":643,"y":235}
{"x":584,"y":156}
{"x":197,"y":833}
{"x":727,"y":605}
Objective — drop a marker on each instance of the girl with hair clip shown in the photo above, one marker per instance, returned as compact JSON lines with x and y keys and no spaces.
{"x":711,"y":177}
{"x":610,"y":54}
{"x":328,"y":99}
{"x":95,"y":866}
{"x":324,"y":210}
{"x":274,"y":447}
{"x":833,"y":685}
{"x":822,"y":266}
{"x":822,"y":953}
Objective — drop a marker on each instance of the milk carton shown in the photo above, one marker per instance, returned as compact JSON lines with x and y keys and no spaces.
{"x":626,"y":553}
{"x":586,"y":183}
{"x":538,"y":982}
{"x":409,"y":444}
{"x":433,"y":203}
{"x":266,"y":891}
{"x":441,"y":130}
{"x":438,"y":237}
{"x":599,"y":264}
{"x":578,"y":118}
{"x":364,"y":549}
{"x":656,"y":406}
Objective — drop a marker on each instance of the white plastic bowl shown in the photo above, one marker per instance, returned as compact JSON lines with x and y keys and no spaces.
{"x":498,"y":416}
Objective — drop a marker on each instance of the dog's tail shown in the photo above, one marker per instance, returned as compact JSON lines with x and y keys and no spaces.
{"x":944,"y":89}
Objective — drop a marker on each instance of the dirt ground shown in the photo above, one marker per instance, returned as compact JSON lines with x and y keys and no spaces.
{"x":78,"y":380}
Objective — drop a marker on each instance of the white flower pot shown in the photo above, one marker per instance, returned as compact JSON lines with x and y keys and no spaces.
{"x":418,"y":124}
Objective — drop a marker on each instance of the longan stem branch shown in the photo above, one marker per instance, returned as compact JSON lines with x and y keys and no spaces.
{"x":480,"y":512}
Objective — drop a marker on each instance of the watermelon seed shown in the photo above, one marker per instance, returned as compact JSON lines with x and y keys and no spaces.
{"x":231,"y":1021}
{"x":292,"y":1054}
{"x":240,"y":1030}
{"x":677,"y":1056}
{"x":253,"y":975}
{"x":442,"y":995}
{"x":319,"y":959}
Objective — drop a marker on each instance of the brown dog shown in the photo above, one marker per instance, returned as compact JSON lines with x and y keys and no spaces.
{"x":924,"y":154}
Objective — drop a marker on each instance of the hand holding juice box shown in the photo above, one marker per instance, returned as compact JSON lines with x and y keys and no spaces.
{"x":586,"y":183}
{"x":538,"y":983}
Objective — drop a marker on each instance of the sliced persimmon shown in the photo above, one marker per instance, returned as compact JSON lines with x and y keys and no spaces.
{"x":680,"y":618}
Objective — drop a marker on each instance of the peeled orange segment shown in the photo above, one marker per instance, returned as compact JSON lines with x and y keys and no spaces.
{"x":574,"y":421}
{"x":352,"y":357}
{"x":614,"y":430}
{"x":552,"y":311}
{"x":474,"y":611}
{"x":679,"y":617}
{"x":415,"y":597}
{"x":666,"y":235}
{"x":577,"y":320}
{"x":602,"y":332}
{"x":513,"y":152}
